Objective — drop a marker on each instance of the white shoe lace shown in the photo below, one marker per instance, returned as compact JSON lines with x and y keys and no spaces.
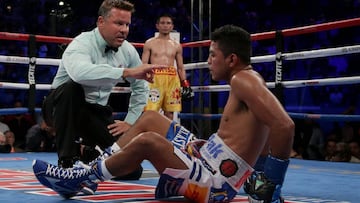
{"x":89,"y":187}
{"x":103,"y":155}
{"x":66,"y":173}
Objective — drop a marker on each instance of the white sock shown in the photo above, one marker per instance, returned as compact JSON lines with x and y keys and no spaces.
{"x":105,"y":172}
{"x":115,"y":148}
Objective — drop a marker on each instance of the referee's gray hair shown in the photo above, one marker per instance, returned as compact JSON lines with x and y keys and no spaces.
{"x":107,"y":5}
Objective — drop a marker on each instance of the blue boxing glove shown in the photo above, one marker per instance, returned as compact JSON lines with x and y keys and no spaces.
{"x":187,"y":93}
{"x":265,"y":186}
{"x":261,"y":190}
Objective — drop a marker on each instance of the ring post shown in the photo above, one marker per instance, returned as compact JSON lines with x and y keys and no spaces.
{"x":31,"y":74}
{"x":278,"y":91}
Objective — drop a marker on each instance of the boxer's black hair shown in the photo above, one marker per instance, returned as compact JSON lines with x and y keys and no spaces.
{"x":164,"y":15}
{"x":233,"y":39}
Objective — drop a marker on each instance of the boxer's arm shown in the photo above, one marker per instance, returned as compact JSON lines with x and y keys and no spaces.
{"x":180,"y":63}
{"x":265,"y":106}
{"x":187,"y":93}
{"x":145,"y":57}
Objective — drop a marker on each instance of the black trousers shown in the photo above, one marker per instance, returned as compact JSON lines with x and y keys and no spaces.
{"x":76,"y":120}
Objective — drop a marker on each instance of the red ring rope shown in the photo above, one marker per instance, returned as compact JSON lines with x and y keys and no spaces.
{"x":291,"y":31}
{"x":258,"y":36}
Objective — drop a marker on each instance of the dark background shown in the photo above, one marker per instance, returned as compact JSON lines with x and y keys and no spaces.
{"x":46,"y":17}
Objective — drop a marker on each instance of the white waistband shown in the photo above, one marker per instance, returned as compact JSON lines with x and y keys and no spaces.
{"x":225,"y":162}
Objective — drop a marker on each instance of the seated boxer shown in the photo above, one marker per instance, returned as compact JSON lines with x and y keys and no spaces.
{"x":253,"y":121}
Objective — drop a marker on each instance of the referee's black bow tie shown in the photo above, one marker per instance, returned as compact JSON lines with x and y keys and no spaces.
{"x":108,"y":48}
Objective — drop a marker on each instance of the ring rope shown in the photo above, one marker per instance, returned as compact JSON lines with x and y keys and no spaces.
{"x":191,"y":66}
{"x":258,"y":36}
{"x":258,"y":59}
{"x":39,"y":38}
{"x":26,"y":60}
{"x":327,"y":117}
{"x":292,"y":56}
{"x":19,"y":110}
{"x":291,"y":32}
{"x":288,"y":84}
{"x":216,"y":88}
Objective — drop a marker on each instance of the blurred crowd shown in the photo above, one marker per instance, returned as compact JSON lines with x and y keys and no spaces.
{"x":338,"y":141}
{"x":25,"y":133}
{"x":341,"y":143}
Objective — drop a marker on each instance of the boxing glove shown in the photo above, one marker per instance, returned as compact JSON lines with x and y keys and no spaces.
{"x":187,"y":93}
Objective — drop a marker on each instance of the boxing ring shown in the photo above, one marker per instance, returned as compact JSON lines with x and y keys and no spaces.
{"x":279,"y":58}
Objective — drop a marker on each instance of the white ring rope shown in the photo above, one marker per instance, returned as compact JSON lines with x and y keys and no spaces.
{"x":291,"y":56}
{"x":322,"y":53}
{"x":256,"y":59}
{"x":11,"y":85}
{"x":199,"y":65}
{"x":288,"y":84}
{"x":215,"y":88}
{"x":26,"y":60}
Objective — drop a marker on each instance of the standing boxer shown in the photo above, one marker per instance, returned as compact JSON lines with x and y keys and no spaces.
{"x":170,"y":84}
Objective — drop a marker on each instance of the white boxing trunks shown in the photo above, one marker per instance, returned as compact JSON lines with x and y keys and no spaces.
{"x":216,"y":176}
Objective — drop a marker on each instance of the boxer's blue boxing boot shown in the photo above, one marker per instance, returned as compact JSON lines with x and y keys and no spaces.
{"x":265,"y":187}
{"x":67,"y":182}
{"x":90,"y":189}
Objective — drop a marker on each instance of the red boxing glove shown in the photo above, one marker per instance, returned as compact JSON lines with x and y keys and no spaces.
{"x":186,"y":93}
{"x":185,"y":83}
